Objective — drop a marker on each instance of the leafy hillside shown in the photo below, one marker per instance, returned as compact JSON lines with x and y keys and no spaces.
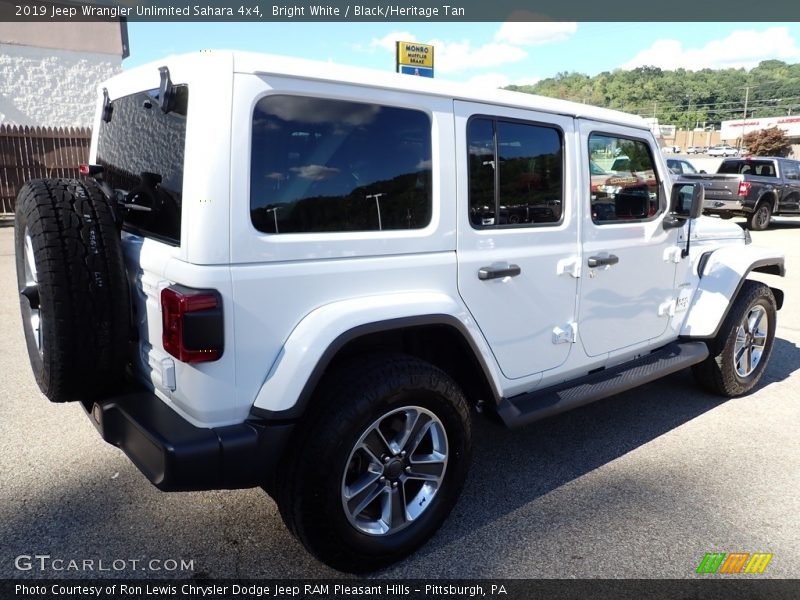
{"x":683,"y":98}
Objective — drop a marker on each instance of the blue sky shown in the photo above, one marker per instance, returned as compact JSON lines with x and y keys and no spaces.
{"x":493,"y":54}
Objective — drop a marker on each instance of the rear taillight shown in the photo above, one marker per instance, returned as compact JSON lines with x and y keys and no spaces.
{"x":744,"y":188}
{"x":92,"y":170}
{"x":192,"y":324}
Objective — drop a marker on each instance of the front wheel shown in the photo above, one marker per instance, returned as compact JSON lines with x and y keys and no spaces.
{"x":741,"y":350}
{"x":377,"y":468}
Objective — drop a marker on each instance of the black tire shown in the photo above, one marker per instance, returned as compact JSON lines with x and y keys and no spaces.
{"x":77,"y":288}
{"x":312,"y":478}
{"x":759,"y":219}
{"x":719,"y":374}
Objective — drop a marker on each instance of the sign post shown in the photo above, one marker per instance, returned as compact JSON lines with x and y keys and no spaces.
{"x":414,"y":59}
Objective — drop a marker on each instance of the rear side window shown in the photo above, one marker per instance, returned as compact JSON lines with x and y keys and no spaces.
{"x":141,"y":150}
{"x":515,"y":173}
{"x":322,"y":165}
{"x":624,"y":186}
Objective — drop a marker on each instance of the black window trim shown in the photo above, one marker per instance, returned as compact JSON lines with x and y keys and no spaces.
{"x":496,"y":119}
{"x":378,"y":233}
{"x":661,"y":198}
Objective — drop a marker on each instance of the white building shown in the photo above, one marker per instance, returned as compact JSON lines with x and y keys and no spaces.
{"x":49,"y":72}
{"x":732,"y":131}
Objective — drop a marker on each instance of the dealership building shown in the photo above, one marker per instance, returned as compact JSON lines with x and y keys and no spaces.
{"x":732,"y":131}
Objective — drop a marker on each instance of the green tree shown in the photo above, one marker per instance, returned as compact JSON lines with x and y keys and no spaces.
{"x":768,"y":142}
{"x":683,"y":98}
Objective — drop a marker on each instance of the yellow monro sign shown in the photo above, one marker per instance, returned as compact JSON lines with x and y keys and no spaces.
{"x":415,"y":55}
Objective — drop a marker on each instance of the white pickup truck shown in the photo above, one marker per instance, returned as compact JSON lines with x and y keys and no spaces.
{"x":311,"y":278}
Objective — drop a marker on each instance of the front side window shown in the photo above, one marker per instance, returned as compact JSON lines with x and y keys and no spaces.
{"x":624,"y":186}
{"x":515,"y":173}
{"x":142,"y":149}
{"x":322,"y":165}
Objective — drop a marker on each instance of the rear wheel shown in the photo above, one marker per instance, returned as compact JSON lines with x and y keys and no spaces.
{"x":378,"y":468}
{"x":759,"y":220}
{"x":73,"y":291}
{"x":741,"y":350}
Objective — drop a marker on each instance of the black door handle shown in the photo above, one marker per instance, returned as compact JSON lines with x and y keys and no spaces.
{"x":496,"y":272}
{"x":601,"y":261}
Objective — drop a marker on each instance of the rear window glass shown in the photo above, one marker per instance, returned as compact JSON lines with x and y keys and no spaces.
{"x":141,"y":150}
{"x":322,"y":165}
{"x":762,"y":168}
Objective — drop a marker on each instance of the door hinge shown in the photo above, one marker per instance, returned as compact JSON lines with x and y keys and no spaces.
{"x":565,"y":335}
{"x":569,"y":266}
{"x":672,"y":254}
{"x":667,"y":308}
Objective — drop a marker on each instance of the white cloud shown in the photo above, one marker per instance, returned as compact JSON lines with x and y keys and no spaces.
{"x":534,"y":33}
{"x":508,"y":46}
{"x":742,"y":48}
{"x":388,"y":41}
{"x":489,"y":81}
{"x":454,"y":57}
{"x":498,"y":80}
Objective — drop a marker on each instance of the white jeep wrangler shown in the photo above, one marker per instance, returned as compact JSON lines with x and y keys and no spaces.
{"x":302,"y":277}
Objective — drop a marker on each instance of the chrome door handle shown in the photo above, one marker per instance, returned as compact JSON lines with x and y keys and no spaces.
{"x":601,"y":261}
{"x":496,"y":272}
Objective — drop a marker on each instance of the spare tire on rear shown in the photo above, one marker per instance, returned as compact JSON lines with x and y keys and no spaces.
{"x":73,"y":289}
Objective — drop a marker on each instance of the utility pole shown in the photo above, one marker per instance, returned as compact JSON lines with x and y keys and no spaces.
{"x":378,"y":206}
{"x":744,"y":115}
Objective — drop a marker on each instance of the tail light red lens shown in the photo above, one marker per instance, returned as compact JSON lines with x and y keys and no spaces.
{"x":192,"y":324}
{"x":744,"y":188}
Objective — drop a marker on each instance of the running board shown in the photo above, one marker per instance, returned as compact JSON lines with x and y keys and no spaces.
{"x":526,"y":408}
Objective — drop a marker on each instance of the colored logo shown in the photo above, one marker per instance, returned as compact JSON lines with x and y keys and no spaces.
{"x":734,"y":562}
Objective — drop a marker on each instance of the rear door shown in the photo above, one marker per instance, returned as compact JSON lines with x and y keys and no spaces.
{"x":790,"y":202}
{"x":141,"y":150}
{"x":518,"y":239}
{"x":629,"y":259}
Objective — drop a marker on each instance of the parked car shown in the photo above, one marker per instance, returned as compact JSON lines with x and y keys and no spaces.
{"x":723,"y":150}
{"x":695,"y":150}
{"x":671,"y":149}
{"x":296,"y":281}
{"x":679,"y":166}
{"x":754,"y":187}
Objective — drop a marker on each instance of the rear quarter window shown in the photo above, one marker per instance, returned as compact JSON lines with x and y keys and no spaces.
{"x":324,"y":165}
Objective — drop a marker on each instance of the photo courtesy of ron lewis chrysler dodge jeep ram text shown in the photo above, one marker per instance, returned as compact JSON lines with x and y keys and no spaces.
{"x":311,"y":278}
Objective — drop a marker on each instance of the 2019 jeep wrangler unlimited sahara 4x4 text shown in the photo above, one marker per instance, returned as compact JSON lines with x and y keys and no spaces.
{"x":300,"y":276}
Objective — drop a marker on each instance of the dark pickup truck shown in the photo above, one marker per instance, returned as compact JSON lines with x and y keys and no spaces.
{"x":754,"y":187}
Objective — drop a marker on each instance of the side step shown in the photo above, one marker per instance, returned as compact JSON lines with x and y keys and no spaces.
{"x":526,"y":408}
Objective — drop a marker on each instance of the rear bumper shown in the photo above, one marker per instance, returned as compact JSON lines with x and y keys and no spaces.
{"x":714,"y":206}
{"x":178,"y":456}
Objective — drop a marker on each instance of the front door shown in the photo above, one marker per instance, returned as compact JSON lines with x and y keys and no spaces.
{"x":518,"y":242}
{"x":629,"y":259}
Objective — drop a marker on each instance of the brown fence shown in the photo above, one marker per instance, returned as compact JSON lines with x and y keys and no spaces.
{"x":36,"y":152}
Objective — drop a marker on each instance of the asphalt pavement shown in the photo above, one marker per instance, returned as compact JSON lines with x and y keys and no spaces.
{"x":641,"y":485}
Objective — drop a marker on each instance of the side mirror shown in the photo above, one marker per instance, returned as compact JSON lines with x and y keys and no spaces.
{"x":685,"y":203}
{"x":687,"y":200}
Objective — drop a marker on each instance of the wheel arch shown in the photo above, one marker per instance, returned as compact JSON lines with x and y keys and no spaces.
{"x":439,"y":338}
{"x":722,"y":274}
{"x":768,"y":196}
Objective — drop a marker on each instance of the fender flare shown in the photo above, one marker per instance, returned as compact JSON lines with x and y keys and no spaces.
{"x":289,"y":385}
{"x":722,"y":274}
{"x":771,"y":191}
